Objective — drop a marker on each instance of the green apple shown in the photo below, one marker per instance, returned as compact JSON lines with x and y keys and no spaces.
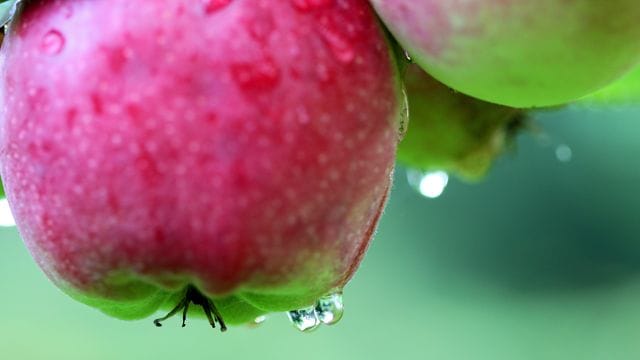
{"x":520,"y":53}
{"x":452,"y":132}
{"x":625,"y":91}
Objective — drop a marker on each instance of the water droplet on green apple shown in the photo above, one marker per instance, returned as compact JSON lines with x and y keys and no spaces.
{"x":305,"y":320}
{"x":403,"y":121}
{"x":52,"y":42}
{"x":6,"y":217}
{"x":330,"y":308}
{"x":307,"y":5}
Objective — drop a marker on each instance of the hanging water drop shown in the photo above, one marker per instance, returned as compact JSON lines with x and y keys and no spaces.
{"x":52,"y":42}
{"x":260,"y":75}
{"x":212,"y":6}
{"x":428,"y":184}
{"x":304,"y":319}
{"x":6,"y":217}
{"x":408,"y":57}
{"x":257,"y":322}
{"x":403,"y":125}
{"x":330,"y":308}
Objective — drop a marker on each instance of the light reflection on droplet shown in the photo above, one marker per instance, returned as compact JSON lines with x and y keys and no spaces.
{"x":330,"y":308}
{"x":564,"y":153}
{"x":305,"y":319}
{"x":6,"y":217}
{"x":429,"y":184}
{"x":407,"y":56}
{"x":260,"y":319}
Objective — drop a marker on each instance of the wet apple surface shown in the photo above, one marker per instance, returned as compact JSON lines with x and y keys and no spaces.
{"x":157,"y":152}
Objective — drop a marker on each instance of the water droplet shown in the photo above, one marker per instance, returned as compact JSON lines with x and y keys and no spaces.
{"x":403,"y":121}
{"x":211,"y":6}
{"x":408,"y":56}
{"x":261,"y":26}
{"x":564,"y":153}
{"x":6,"y":217}
{"x":256,"y":76}
{"x":52,"y":42}
{"x":428,"y":184}
{"x":257,"y":322}
{"x":305,"y":319}
{"x":306,"y":5}
{"x":330,"y":308}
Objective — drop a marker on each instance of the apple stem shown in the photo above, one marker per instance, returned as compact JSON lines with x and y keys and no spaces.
{"x":192,"y":295}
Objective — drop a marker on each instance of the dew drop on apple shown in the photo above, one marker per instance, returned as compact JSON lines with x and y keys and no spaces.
{"x":257,"y":322}
{"x":306,"y":5}
{"x":305,"y":319}
{"x":403,"y":121}
{"x":340,"y":45}
{"x":52,"y":42}
{"x":330,"y":308}
{"x":430,"y":184}
{"x":260,"y":319}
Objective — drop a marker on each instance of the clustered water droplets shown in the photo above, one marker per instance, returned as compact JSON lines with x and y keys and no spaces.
{"x":328,"y":310}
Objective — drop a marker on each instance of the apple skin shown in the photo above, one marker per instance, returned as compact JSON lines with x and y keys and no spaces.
{"x":519,"y":53}
{"x":242,"y":147}
{"x":453,"y":132}
{"x":624,"y":91}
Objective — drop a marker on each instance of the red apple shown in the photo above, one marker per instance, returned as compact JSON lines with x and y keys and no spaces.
{"x":235,"y":153}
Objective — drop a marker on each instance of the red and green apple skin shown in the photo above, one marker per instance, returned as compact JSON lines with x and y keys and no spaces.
{"x":519,"y":53}
{"x":242,"y":147}
{"x":453,"y":132}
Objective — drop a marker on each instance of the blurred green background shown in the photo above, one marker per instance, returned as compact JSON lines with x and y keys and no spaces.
{"x":540,"y":261}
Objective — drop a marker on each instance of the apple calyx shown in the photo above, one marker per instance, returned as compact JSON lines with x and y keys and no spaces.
{"x":192,"y":295}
